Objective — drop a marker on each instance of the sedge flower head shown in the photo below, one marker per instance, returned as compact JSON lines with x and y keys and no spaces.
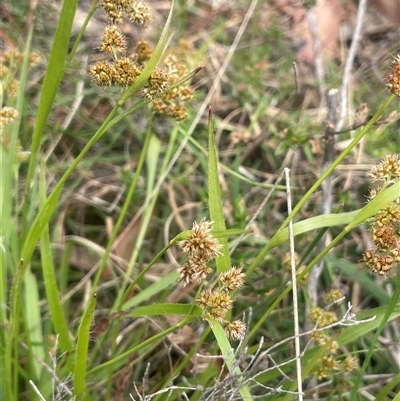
{"x":330,"y":363}
{"x":12,"y":88}
{"x":201,"y":242}
{"x":113,"y":40}
{"x":231,"y":280}
{"x":333,"y":296}
{"x":143,"y":51}
{"x":333,"y":347}
{"x":215,"y":304}
{"x":194,"y":269}
{"x":125,"y":70}
{"x":102,"y":73}
{"x":387,"y":170}
{"x":350,"y":364}
{"x":8,"y":115}
{"x":393,"y":80}
{"x":139,"y":13}
{"x":235,"y":330}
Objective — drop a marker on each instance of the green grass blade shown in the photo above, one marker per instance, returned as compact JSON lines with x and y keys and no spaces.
{"x":384,"y":392}
{"x":50,"y":282}
{"x":215,"y":199}
{"x":153,"y":289}
{"x":166,"y":309}
{"x":223,"y":262}
{"x":229,"y":358}
{"x":34,"y":323}
{"x":79,"y":375}
{"x":389,"y":310}
{"x":52,"y":79}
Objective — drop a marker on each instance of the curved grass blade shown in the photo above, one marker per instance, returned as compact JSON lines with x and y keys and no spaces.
{"x":79,"y":376}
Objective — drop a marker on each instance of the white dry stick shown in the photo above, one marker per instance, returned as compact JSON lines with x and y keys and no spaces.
{"x":294,"y":287}
{"x":36,"y":390}
{"x":316,"y":42}
{"x":362,"y":6}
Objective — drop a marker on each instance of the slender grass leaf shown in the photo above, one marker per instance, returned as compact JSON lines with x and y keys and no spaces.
{"x":215,"y":199}
{"x":79,"y":375}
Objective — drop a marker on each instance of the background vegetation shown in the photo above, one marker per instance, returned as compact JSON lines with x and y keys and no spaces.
{"x":79,"y":219}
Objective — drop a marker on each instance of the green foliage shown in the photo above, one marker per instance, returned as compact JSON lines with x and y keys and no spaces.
{"x":90,"y":228}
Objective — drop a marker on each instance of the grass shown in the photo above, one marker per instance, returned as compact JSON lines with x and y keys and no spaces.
{"x":93,"y":220}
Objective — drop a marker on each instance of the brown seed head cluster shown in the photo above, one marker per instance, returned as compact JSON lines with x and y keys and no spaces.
{"x":385,"y":226}
{"x":123,"y":71}
{"x":332,"y":362}
{"x":388,"y":170}
{"x":321,"y":317}
{"x":200,"y":248}
{"x":393,"y":80}
{"x":10,"y":62}
{"x":215,"y":304}
{"x":171,"y":102}
{"x":232,"y":280}
{"x":333,"y":295}
{"x":201,"y":242}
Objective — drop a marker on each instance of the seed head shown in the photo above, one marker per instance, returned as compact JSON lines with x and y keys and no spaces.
{"x":315,"y":314}
{"x":215,"y":304}
{"x":115,"y":9}
{"x":12,"y":88}
{"x":379,"y":264}
{"x":318,"y":337}
{"x":330,"y":363}
{"x":333,"y":347}
{"x":201,"y":242}
{"x":387,"y":170}
{"x":143,"y":52}
{"x":321,"y":373}
{"x":393,"y":80}
{"x":323,"y":318}
{"x":113,"y":41}
{"x":333,"y":295}
{"x":231,"y":280}
{"x":176,"y":111}
{"x":350,"y":364}
{"x":102,"y":73}
{"x":194,"y":269}
{"x":235,"y":330}
{"x":34,"y":59}
{"x":139,"y":13}
{"x":8,"y":115}
{"x":126,"y":71}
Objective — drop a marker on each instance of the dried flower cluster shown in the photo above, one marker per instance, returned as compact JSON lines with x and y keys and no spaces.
{"x":201,"y":247}
{"x":123,"y":71}
{"x":393,"y":80}
{"x":10,"y":62}
{"x":385,"y":227}
{"x":331,"y":363}
{"x":322,"y":318}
